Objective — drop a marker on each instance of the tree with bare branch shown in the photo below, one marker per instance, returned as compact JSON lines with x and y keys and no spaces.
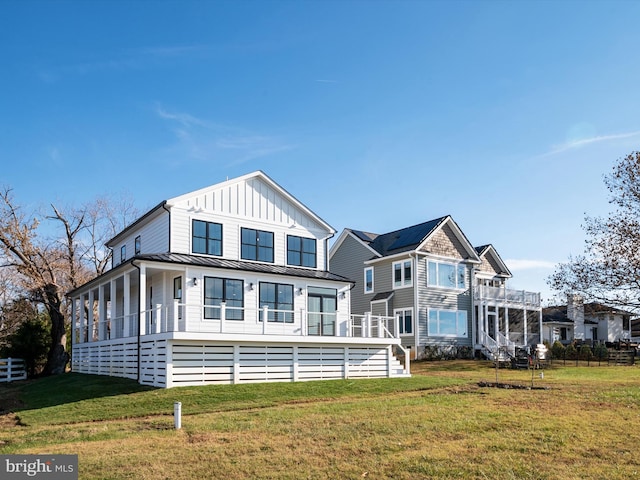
{"x":609,"y":269}
{"x":46,"y":263}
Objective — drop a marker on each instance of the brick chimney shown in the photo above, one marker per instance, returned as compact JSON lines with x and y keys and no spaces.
{"x":575,"y":312}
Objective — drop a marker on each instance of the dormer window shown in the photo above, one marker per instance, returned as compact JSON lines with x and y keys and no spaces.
{"x":206,"y":238}
{"x":257,"y":245}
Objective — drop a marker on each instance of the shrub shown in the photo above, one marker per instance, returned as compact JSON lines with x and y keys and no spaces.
{"x":31,"y":343}
{"x":571,"y":352}
{"x":600,"y":351}
{"x":585,"y":352}
{"x":558,"y":350}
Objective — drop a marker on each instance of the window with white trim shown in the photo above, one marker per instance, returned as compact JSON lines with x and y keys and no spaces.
{"x":123,"y":253}
{"x":402,"y":274}
{"x":301,"y":251}
{"x":446,"y":274}
{"x":406,"y":320}
{"x":368,"y":280}
{"x":448,"y":323}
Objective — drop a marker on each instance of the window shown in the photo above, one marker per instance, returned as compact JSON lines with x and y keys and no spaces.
{"x":279,"y":298}
{"x":301,"y":251}
{"x":368,"y":280}
{"x":448,"y":323}
{"x":406,"y":321}
{"x":177,"y":294}
{"x":123,"y":253}
{"x":206,"y":238}
{"x":402,"y":274}
{"x":218,"y":290}
{"x":446,"y":275}
{"x":137,"y":245}
{"x":626,"y":322}
{"x":257,"y":245}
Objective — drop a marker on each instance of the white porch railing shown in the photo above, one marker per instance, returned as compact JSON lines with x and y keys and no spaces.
{"x":223,"y":319}
{"x":497,"y":345}
{"x":506,"y":295}
{"x":12,"y":369}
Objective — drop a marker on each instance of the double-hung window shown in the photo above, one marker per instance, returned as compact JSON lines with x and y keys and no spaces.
{"x":301,"y":251}
{"x":368,"y":280}
{"x":448,"y":323}
{"x":229,"y":291}
{"x":446,"y":275}
{"x":206,"y":237}
{"x":257,"y":245}
{"x":278,"y":297}
{"x":402,"y":274}
{"x":406,"y":321}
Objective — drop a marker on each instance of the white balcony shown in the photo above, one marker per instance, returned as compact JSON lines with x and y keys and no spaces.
{"x":506,"y":296}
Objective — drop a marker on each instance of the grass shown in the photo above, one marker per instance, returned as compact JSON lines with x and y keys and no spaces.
{"x":437,"y":424}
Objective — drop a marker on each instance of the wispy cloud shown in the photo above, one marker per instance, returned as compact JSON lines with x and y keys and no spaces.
{"x":203,"y":140}
{"x":527,"y":264}
{"x":573,"y":144}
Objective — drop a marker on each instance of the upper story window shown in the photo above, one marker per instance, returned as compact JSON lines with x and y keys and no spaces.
{"x":402,"y":274}
{"x":446,"y":275}
{"x":257,"y":245}
{"x":278,"y":297}
{"x":301,"y":251}
{"x":229,"y":291}
{"x":206,"y":238}
{"x":137,"y":245}
{"x":123,"y":253}
{"x":368,"y":280}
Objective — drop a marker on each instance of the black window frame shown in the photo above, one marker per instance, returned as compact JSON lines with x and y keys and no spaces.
{"x":215,"y":313}
{"x":299,"y":253}
{"x":253,"y":250}
{"x":278,"y":304}
{"x":209,"y":239}
{"x":137,"y":245}
{"x":123,"y":253}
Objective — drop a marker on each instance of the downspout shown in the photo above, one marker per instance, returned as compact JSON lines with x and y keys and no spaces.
{"x":139,"y":318}
{"x":416,"y":299}
{"x":326,"y":251}
{"x":164,"y":205}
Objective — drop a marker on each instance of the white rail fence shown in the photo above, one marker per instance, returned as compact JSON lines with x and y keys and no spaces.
{"x":12,"y":369}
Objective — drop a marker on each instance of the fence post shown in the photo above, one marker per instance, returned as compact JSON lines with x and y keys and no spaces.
{"x":9,"y":369}
{"x":265,"y":318}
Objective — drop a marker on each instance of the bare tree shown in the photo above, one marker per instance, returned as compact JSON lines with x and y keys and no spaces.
{"x":609,"y":269}
{"x":47,"y":265}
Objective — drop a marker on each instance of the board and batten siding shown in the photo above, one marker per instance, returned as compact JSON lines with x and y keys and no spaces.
{"x":251,"y":204}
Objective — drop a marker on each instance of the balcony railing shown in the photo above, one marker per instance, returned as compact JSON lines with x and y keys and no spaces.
{"x":224,"y":319}
{"x":506,"y":295}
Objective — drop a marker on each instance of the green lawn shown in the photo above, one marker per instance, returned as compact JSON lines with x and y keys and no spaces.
{"x":437,"y":424}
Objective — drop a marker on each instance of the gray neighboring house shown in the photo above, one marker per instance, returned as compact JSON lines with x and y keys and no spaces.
{"x":446,"y":297}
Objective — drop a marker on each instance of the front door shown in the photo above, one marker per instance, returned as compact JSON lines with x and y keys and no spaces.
{"x":322,"y":307}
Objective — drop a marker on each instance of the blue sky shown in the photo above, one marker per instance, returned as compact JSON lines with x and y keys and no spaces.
{"x":376,"y":115}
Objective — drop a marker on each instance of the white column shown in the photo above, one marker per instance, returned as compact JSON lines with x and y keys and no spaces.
{"x":525,"y":326}
{"x":102,"y":317}
{"x":506,"y":322}
{"x":90,"y":317}
{"x":127,"y":305}
{"x":142,"y":320}
{"x":81,"y":319}
{"x":74,"y":323}
{"x":114,"y":310}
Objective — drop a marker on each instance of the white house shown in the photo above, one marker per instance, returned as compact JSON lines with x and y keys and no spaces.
{"x":194,"y":279}
{"x":585,"y":322}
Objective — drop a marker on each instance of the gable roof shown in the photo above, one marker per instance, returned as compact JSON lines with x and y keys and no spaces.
{"x":489,"y":250}
{"x":257,"y":175}
{"x":409,"y":239}
{"x":559,"y":313}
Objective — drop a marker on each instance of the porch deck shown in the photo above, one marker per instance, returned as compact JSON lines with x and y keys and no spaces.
{"x":506,"y":296}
